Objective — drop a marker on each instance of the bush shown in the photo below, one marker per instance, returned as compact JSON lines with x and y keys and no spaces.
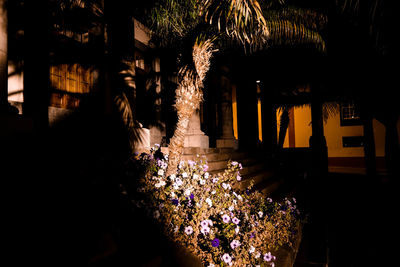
{"x":205,"y":213}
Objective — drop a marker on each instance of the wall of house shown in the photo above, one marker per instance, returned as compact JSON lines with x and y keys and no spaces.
{"x":302,"y":126}
{"x":333,"y":134}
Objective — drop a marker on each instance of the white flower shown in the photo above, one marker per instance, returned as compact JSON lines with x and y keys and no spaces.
{"x":196,"y":176}
{"x":210,"y":223}
{"x":234,"y":201}
{"x":252,"y":249}
{"x":235,"y":243}
{"x":172,"y":177}
{"x":226,"y":195}
{"x":187,"y":192}
{"x":205,"y":230}
{"x":215,"y":180}
{"x":184,"y":175}
{"x":211,"y":265}
{"x":173,"y":194}
{"x":226,"y":218}
{"x":257,"y":255}
{"x":188,"y":230}
{"x":234,"y":163}
{"x":206,"y":175}
{"x":213,"y":192}
{"x":226,"y":186}
{"x":238,"y":177}
{"x":239,"y":197}
{"x":204,"y":223}
{"x":237,"y":229}
{"x":202,"y":181}
{"x":260,"y":214}
{"x":226,"y":258}
{"x":267,"y":256}
{"x":159,"y":184}
{"x":179,"y":181}
{"x":160,"y":172}
{"x":235,"y":220}
{"x":209,"y":202}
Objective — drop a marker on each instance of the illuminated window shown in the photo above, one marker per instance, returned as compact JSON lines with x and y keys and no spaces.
{"x":349,"y":114}
{"x":68,"y":82}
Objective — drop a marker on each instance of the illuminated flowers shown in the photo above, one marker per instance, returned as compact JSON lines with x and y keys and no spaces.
{"x":226,"y":258}
{"x":209,"y":202}
{"x":235,"y":220}
{"x":235,"y":243}
{"x":188,"y":230}
{"x":252,"y":249}
{"x":268,"y":257}
{"x":226,"y":218}
{"x":215,"y":242}
{"x":205,"y":230}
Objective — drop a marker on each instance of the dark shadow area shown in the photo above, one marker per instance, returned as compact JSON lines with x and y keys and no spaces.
{"x":351,"y":222}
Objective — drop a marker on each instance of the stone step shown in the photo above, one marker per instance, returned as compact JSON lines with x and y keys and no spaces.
{"x":256,"y":178}
{"x":268,"y":187}
{"x":253,"y":168}
{"x":218,"y":166}
{"x":203,"y":151}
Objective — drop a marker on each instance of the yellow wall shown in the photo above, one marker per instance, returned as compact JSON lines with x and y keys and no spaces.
{"x":278,"y":119}
{"x":302,"y":126}
{"x":333,"y":134}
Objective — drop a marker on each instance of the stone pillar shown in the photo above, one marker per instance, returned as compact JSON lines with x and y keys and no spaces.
{"x":227,"y":139}
{"x":194,"y":136}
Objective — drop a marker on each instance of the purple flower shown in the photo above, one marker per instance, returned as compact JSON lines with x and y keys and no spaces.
{"x":215,"y":242}
{"x":252,"y":235}
{"x":205,"y":167}
{"x":191,"y":196}
{"x":175,"y":202}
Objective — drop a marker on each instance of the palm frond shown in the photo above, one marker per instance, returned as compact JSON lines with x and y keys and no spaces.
{"x":291,"y":25}
{"x":242,"y":20}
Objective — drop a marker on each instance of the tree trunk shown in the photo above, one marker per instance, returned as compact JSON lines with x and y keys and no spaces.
{"x":283,"y":127}
{"x":188,"y":99}
{"x":369,"y":142}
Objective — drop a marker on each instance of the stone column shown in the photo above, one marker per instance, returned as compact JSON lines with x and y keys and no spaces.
{"x":227,"y":139}
{"x":194,"y":136}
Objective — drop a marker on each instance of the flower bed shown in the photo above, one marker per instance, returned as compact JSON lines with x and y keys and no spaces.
{"x":205,"y":213}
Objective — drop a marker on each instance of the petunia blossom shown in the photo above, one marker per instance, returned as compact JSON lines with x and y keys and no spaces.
{"x":188,"y":230}
{"x":235,"y":220}
{"x":226,"y":218}
{"x":226,"y":258}
{"x":267,"y":256}
{"x":235,"y":244}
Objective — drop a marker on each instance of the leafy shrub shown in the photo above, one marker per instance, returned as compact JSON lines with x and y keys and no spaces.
{"x":207,"y":214}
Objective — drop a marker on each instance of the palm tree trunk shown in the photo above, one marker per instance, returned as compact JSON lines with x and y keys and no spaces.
{"x":283,"y":126}
{"x":188,"y":99}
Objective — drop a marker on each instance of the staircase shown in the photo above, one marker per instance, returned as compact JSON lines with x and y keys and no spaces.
{"x":256,"y":167}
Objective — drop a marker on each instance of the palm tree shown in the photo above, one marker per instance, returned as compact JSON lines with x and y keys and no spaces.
{"x":194,"y":26}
